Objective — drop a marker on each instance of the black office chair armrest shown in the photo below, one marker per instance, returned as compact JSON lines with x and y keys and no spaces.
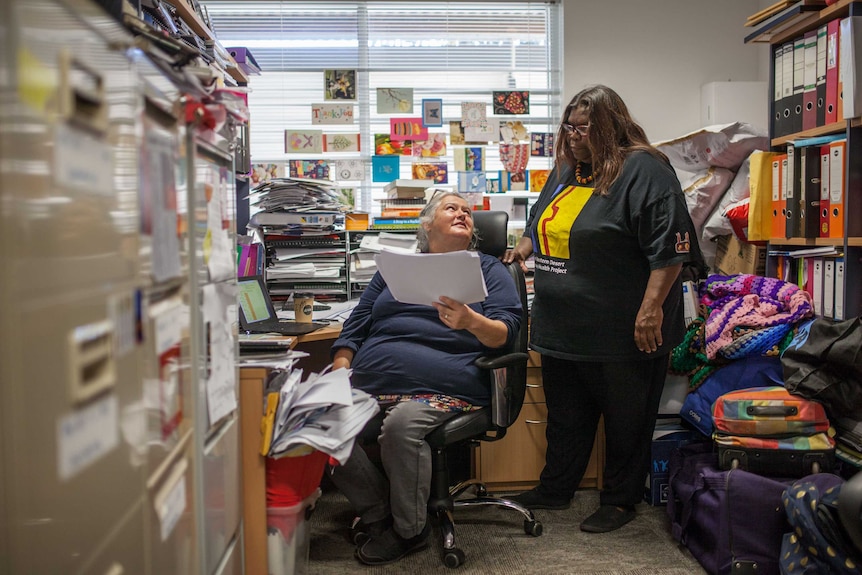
{"x":501,"y":361}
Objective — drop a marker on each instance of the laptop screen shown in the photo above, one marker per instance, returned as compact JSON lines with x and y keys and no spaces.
{"x":254,"y":300}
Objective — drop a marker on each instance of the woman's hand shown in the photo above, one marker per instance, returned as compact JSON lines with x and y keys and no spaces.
{"x":342,"y":358}
{"x":648,"y":328}
{"x":491,"y":333}
{"x":519,"y":253}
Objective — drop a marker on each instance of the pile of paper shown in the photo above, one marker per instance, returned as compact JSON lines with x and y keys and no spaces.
{"x":322,"y":412}
{"x":296,"y":205}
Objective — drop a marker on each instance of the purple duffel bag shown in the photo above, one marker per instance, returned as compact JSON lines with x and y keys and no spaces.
{"x":731,"y":521}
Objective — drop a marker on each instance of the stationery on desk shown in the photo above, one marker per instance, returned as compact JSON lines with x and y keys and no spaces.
{"x":423,"y":278}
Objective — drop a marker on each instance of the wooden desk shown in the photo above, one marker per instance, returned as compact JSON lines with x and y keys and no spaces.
{"x":251,"y":383}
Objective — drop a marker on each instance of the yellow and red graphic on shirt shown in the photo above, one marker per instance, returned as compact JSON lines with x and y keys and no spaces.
{"x":555,"y":223}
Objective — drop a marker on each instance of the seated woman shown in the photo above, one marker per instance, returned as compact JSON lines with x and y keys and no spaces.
{"x":418,"y":360}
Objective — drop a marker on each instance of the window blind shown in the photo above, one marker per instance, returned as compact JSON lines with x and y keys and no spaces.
{"x":453,"y":51}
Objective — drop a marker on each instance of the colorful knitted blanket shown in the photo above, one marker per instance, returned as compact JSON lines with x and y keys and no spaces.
{"x":740,"y":316}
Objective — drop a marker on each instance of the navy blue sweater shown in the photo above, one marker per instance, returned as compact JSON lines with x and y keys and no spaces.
{"x":405,"y":348}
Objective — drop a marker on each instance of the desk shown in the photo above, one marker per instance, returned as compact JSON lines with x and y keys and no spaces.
{"x":251,"y":382}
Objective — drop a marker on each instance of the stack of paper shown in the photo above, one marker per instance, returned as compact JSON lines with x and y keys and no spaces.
{"x":322,"y":412}
{"x":296,"y":206}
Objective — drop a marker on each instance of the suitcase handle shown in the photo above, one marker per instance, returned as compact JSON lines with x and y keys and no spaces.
{"x":772,"y":410}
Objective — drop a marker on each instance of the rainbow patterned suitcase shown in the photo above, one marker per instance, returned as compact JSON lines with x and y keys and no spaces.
{"x":769,"y":431}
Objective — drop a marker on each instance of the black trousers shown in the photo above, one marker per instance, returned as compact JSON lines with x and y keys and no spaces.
{"x":578,"y":393}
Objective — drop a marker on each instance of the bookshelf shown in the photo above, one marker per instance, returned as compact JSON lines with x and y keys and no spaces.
{"x":849,"y":241}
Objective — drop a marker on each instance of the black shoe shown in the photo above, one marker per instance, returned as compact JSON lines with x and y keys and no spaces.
{"x":360,"y":532}
{"x":535,"y":499}
{"x":608,"y":518}
{"x":391,"y":547}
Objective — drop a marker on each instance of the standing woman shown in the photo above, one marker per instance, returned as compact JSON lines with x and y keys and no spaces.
{"x":610,"y":232}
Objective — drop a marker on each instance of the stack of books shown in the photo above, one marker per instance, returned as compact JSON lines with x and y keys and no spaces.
{"x":402,"y":205}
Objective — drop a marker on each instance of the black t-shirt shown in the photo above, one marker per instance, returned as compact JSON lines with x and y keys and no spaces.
{"x":594,"y":255}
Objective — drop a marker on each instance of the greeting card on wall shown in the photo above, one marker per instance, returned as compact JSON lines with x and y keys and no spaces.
{"x":332,"y":113}
{"x":394,"y":100}
{"x":542,"y":144}
{"x":470,"y":159}
{"x":303,"y":141}
{"x":434,"y":146}
{"x":488,"y":132}
{"x":514,"y":157}
{"x":513,"y":132}
{"x":456,"y":133}
{"x":341,"y":142}
{"x":473,"y":114}
{"x":262,"y":173}
{"x":472,"y":182}
{"x":513,"y":181}
{"x":432,"y":112}
{"x":385,"y":168}
{"x":314,"y":169}
{"x":437,"y":171}
{"x":349,"y":170}
{"x":339,"y":84}
{"x":407,"y":129}
{"x":538,"y":179}
{"x":511,"y":102}
{"x":384,"y":146}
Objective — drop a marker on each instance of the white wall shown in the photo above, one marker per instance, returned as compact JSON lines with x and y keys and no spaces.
{"x":658,"y":53}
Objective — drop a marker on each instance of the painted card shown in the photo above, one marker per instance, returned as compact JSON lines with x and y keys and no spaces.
{"x":341,"y":142}
{"x":314,"y":169}
{"x":407,"y":129}
{"x":384,"y":146}
{"x":432,"y":112}
{"x":472,"y":182}
{"x":349,"y":170}
{"x":513,"y":181}
{"x":394,"y":100}
{"x":513,"y":132}
{"x":385,"y":168}
{"x":514,"y":157}
{"x":434,"y":146}
{"x":303,"y":141}
{"x":262,"y":173}
{"x":473,"y":114}
{"x":492,"y":182}
{"x":538,"y":179}
{"x":332,"y":113}
{"x":470,"y":159}
{"x":437,"y":171}
{"x":542,"y":144}
{"x":339,"y":84}
{"x":483,"y":133}
{"x":507,"y":102}
{"x":456,"y":133}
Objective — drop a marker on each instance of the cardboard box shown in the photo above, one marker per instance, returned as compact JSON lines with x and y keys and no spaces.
{"x":665,"y":439}
{"x":734,"y":256}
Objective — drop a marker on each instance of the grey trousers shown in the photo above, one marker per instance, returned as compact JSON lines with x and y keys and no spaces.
{"x":404,"y":489}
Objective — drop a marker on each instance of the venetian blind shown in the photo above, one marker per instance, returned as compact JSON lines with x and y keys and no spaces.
{"x":454,"y":51}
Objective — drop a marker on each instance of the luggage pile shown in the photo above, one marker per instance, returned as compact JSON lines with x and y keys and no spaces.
{"x":760,"y":496}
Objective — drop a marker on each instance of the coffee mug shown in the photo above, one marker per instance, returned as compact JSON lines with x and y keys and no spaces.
{"x":303,"y":305}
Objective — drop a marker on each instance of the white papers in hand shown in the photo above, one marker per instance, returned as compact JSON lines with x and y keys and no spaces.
{"x":423,"y":278}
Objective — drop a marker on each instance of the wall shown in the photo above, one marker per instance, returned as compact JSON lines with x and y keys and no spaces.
{"x":658,"y":53}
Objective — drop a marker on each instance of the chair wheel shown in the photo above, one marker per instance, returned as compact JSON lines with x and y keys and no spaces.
{"x":533,"y":528}
{"x":452,"y":558}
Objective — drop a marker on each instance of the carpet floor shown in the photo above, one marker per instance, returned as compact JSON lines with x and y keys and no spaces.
{"x":495,"y":543}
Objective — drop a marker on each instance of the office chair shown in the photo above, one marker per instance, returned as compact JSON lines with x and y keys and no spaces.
{"x":508,"y":375}
{"x":850,"y":509}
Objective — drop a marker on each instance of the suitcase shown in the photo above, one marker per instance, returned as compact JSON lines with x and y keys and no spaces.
{"x":732,"y":521}
{"x":769,"y":431}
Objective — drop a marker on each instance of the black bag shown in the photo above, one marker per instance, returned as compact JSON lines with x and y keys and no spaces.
{"x":824,"y":363}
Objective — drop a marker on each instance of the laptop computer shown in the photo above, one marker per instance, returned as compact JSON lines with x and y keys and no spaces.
{"x":257,"y":314}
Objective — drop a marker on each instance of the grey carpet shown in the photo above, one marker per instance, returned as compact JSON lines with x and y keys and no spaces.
{"x":495,"y":543}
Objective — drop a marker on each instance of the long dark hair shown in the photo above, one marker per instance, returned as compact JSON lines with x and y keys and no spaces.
{"x":613,"y":135}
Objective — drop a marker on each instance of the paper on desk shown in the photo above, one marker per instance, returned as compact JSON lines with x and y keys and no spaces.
{"x":423,"y":278}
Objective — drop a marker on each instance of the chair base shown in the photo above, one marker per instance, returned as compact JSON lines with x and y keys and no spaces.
{"x":443,"y":512}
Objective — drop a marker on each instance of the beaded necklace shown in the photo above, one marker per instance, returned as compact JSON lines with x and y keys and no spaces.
{"x":581,"y":180}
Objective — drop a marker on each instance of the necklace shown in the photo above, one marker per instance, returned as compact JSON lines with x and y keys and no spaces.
{"x":581,"y":180}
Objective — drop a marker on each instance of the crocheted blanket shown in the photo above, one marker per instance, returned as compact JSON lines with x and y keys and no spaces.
{"x":740,"y":316}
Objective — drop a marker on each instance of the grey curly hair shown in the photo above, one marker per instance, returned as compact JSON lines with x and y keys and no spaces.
{"x":426,"y":216}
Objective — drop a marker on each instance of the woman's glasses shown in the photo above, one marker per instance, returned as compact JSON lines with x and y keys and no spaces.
{"x":581,"y":130}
